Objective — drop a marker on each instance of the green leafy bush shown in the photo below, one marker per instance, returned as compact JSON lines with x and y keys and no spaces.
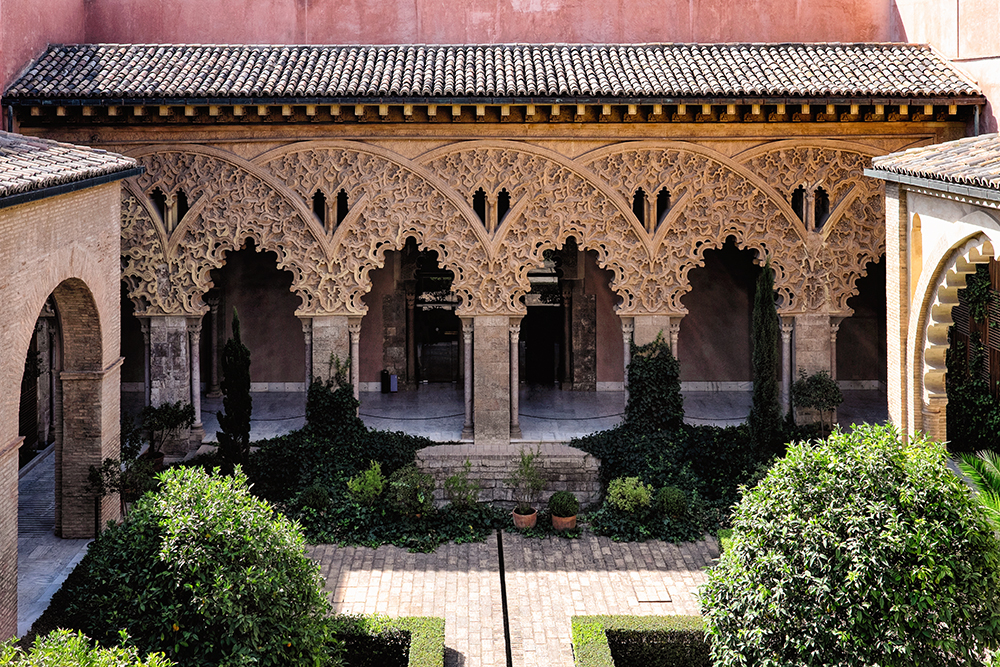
{"x":629,"y":494}
{"x":563,"y":504}
{"x":654,"y":641}
{"x":366,"y":487}
{"x":973,"y":413}
{"x":462,"y":492}
{"x":671,"y":502}
{"x":819,"y":392}
{"x":207,"y":574}
{"x":411,"y":492}
{"x":62,"y":647}
{"x":858,"y":550}
{"x":316,"y":497}
{"x":164,"y":423}
{"x":526,"y":481}
{"x":654,"y":388}
{"x":379,"y":641}
{"x":983,"y":469}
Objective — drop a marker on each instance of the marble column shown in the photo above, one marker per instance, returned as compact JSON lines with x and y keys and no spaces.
{"x":330,"y":340}
{"x":675,"y":334}
{"x":567,"y":303}
{"x":515,"y":337}
{"x":214,"y":388}
{"x":194,"y":343}
{"x":491,"y":374}
{"x":787,"y":326}
{"x":834,"y":328}
{"x":354,"y":331}
{"x":628,"y":328}
{"x":411,"y":338}
{"x":307,"y":339}
{"x":170,"y":366}
{"x":144,"y":327}
{"x":467,"y":330}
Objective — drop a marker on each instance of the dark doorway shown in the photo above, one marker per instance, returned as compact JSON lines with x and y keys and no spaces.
{"x":438,"y":329}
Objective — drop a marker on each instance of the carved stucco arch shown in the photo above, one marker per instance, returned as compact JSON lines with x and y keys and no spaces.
{"x":927,"y":329}
{"x":713,"y":198}
{"x":391,"y":199}
{"x":231,"y":200}
{"x":552,"y":199}
{"x":854,"y":233}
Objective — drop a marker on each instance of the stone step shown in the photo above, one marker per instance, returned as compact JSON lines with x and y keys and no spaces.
{"x":564,"y":468}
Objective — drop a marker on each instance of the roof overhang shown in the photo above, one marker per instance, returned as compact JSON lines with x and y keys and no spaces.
{"x":65,"y":188}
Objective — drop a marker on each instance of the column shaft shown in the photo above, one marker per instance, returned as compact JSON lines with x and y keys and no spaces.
{"x":308,"y":341}
{"x":515,"y":337}
{"x":214,"y":389}
{"x":144,"y":326}
{"x":194,"y":334}
{"x":786,"y":365}
{"x":627,"y":330}
{"x":354,"y":330}
{"x":467,"y":332}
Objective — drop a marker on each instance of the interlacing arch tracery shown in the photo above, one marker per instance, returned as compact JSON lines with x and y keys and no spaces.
{"x":392,"y":199}
{"x":231,"y":201}
{"x":551,"y":199}
{"x":854,"y":233}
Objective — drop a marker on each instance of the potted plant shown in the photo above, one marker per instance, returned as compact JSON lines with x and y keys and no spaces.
{"x":164,"y":424}
{"x":563,"y":506}
{"x":526,"y":482}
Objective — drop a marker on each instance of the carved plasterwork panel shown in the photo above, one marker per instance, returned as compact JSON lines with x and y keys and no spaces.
{"x":391,"y":200}
{"x":229,"y":204}
{"x":713,"y":198}
{"x":552,"y":199}
{"x":854,"y":233}
{"x":144,"y":264}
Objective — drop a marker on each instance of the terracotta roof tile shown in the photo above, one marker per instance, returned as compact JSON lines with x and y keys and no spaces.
{"x":164,"y":72}
{"x":971,"y":161}
{"x":28,"y":163}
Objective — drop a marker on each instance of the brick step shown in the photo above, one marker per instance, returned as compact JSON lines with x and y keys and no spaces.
{"x":564,"y":468}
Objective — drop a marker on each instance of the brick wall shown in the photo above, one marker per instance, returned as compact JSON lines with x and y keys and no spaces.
{"x":67,"y":246}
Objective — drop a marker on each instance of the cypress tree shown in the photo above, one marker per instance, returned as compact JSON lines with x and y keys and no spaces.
{"x":765,"y":410}
{"x":234,"y":438}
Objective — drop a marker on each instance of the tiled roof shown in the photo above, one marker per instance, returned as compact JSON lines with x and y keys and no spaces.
{"x":972,"y":161}
{"x":28,"y":164}
{"x":513,"y":71}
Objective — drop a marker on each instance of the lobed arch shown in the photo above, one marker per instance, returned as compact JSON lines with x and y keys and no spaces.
{"x":936,"y":294}
{"x":715,"y":198}
{"x":552,"y":198}
{"x":231,"y":200}
{"x":395,"y":199}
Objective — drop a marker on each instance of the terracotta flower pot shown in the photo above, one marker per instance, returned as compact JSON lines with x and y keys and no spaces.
{"x":563,"y":522}
{"x":522,"y":521}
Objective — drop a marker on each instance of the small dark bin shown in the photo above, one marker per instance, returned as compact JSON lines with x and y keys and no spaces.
{"x":390,"y":383}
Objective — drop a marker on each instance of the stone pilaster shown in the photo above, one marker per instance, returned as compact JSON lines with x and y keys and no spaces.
{"x":812,"y":342}
{"x":169,"y":365}
{"x":491,"y":386}
{"x":329,"y":337}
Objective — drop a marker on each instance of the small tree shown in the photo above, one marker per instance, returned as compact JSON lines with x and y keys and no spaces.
{"x":234,"y":438}
{"x":857,"y":550}
{"x":654,"y":388}
{"x":819,"y":392}
{"x":765,"y":420}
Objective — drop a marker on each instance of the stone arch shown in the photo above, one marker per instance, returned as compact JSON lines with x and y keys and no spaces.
{"x":395,"y":199}
{"x":713,"y":198}
{"x":231,"y":200}
{"x":927,"y":331}
{"x":552,"y":198}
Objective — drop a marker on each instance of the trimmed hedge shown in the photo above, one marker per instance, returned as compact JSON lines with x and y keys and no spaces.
{"x":380,"y":641}
{"x":651,"y":641}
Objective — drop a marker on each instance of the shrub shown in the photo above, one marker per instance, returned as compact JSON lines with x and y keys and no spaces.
{"x":62,"y":647}
{"x":526,"y":481}
{"x":462,"y":492}
{"x":411,"y":492}
{"x":207,"y":574}
{"x":973,"y":413}
{"x":672,"y":502}
{"x":316,"y":497}
{"x":765,"y":422}
{"x":858,"y":550}
{"x":654,"y":388}
{"x":983,"y":469}
{"x":629,"y":494}
{"x":653,"y":641}
{"x":563,"y":504}
{"x":366,"y":487}
{"x":237,"y":403}
{"x":818,"y":391}
{"x":164,"y":423}
{"x":379,"y":641}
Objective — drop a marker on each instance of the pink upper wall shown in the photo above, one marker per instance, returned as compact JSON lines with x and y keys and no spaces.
{"x":28,"y":26}
{"x":479,"y":21}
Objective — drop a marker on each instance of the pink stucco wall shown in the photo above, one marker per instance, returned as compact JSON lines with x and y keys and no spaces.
{"x":965,"y":31}
{"x":27,"y":26}
{"x":446,"y":21}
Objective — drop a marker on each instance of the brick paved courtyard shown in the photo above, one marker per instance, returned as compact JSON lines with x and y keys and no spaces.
{"x":547,"y":581}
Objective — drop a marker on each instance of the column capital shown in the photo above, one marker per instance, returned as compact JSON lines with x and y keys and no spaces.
{"x":194,"y":328}
{"x":354,"y":329}
{"x":307,"y":324}
{"x":411,"y":299}
{"x":515,"y":330}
